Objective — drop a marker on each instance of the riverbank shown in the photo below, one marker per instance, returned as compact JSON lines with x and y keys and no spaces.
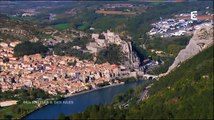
{"x":87,"y":91}
{"x":81,"y":101}
{"x":144,"y":93}
{"x":76,"y":94}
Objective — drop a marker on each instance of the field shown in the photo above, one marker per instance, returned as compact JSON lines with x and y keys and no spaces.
{"x":62,"y":26}
{"x":83,"y":26}
{"x":201,"y":17}
{"x":115,"y":12}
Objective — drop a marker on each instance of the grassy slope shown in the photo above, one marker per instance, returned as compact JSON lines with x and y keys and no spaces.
{"x":184,"y":93}
{"x":16,"y":111}
{"x":62,"y":26}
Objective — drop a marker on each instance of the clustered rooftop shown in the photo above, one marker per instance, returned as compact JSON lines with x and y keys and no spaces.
{"x":53,"y":73}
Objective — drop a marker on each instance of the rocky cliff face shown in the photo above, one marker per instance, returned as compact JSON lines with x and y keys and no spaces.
{"x":133,"y":59}
{"x":202,"y":38}
{"x":112,"y":38}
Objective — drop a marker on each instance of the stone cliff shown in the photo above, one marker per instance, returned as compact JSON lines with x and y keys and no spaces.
{"x":112,"y":38}
{"x":202,"y":39}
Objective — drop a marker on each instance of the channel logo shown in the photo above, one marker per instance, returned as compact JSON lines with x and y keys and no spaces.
{"x":194,"y":15}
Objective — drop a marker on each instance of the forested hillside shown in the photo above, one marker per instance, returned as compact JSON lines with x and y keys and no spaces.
{"x":186,"y":92}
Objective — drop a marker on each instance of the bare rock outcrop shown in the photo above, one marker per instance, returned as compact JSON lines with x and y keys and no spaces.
{"x":202,"y":38}
{"x":112,"y":38}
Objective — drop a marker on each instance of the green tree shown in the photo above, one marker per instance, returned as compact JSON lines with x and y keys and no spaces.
{"x":111,"y":54}
{"x":29,"y":48}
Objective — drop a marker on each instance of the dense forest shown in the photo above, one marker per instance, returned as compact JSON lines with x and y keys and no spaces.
{"x":111,"y":54}
{"x":187,"y":92}
{"x":67,"y":49}
{"x":24,"y":94}
{"x":29,"y":48}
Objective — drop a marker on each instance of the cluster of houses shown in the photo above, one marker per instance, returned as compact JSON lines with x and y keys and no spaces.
{"x":6,"y":51}
{"x":149,"y":64}
{"x":181,"y":24}
{"x":54,"y":74}
{"x":171,"y":27}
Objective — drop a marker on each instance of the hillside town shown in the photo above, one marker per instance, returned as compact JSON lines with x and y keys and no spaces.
{"x":68,"y":74}
{"x":54,"y":74}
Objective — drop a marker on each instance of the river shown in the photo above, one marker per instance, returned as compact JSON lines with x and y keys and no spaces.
{"x":79,"y":103}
